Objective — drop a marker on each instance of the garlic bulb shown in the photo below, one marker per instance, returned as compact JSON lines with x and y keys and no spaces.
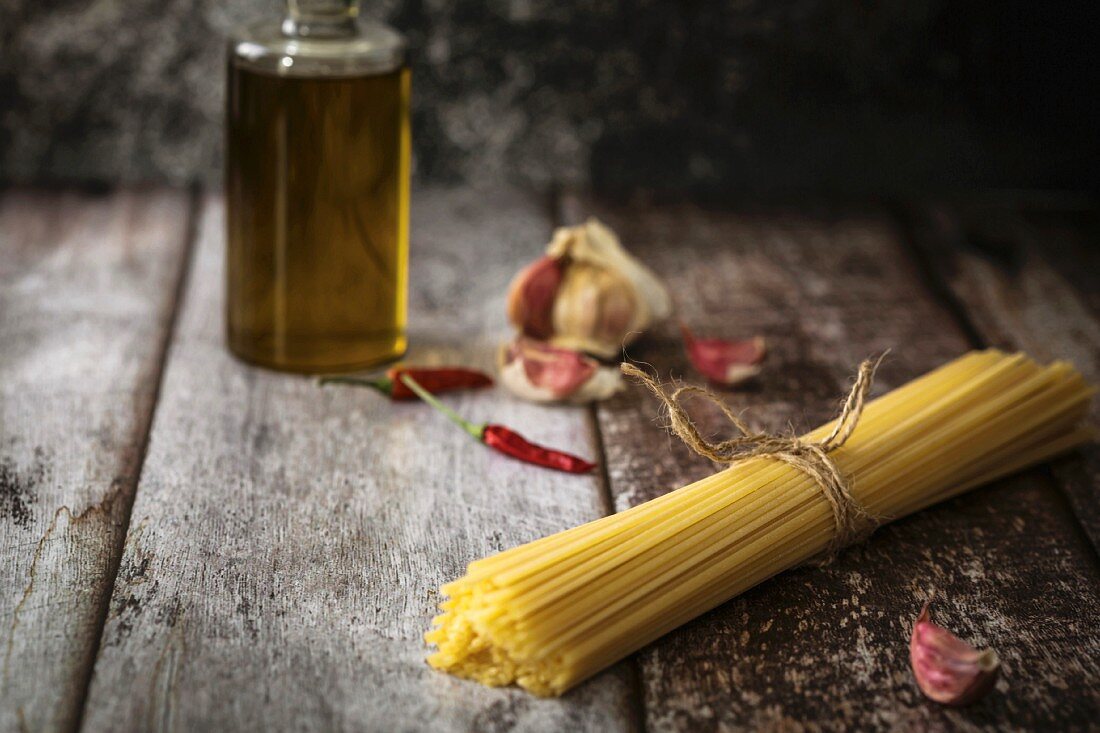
{"x":587,"y":293}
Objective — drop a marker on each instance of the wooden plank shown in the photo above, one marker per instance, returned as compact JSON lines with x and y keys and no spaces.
{"x":87,"y":287}
{"x":288,"y":540}
{"x":1026,"y":275}
{"x":826,"y":649}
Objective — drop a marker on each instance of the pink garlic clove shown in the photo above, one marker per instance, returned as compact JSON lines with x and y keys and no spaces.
{"x":725,"y":362}
{"x":539,"y":372}
{"x":531,"y":297}
{"x":947,"y":669}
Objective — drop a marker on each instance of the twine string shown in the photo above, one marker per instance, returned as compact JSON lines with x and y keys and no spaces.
{"x":853,"y":521}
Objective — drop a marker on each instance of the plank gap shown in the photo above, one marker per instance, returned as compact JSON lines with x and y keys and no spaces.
{"x":566,"y":210}
{"x":994,"y":262}
{"x":87,"y":286}
{"x":635,"y":683}
{"x":1062,"y":496}
{"x":191,"y":234}
{"x":604,"y":481}
{"x":916,"y":231}
{"x":909,"y":222}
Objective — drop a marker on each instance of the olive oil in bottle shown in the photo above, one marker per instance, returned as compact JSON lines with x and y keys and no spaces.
{"x":317,"y":191}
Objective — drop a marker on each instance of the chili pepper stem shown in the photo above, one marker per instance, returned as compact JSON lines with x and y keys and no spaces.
{"x":382,"y":384}
{"x":475,"y":430}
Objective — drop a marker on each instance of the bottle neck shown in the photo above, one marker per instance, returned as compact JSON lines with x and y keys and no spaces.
{"x":320,"y":18}
{"x":319,"y":38}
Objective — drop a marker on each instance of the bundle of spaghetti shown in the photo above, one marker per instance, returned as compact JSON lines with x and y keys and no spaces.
{"x":550,"y":613}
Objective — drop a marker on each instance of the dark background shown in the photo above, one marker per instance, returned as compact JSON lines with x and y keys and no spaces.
{"x":701,"y":97}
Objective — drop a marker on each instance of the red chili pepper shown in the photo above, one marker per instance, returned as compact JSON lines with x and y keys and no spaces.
{"x":505,"y":440}
{"x":512,"y":443}
{"x":434,"y":379}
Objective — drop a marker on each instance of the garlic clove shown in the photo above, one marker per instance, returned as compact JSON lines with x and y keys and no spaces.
{"x":596,"y":244}
{"x":531,"y":297}
{"x":594,"y":311}
{"x":725,"y":362}
{"x":539,"y":372}
{"x":947,"y":669}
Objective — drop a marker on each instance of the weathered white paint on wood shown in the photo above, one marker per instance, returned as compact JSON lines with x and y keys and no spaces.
{"x":87,"y":284}
{"x":287,"y":540}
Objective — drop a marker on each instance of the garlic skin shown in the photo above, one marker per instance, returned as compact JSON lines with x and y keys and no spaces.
{"x":538,"y":372}
{"x":604,"y":298}
{"x":947,"y":669}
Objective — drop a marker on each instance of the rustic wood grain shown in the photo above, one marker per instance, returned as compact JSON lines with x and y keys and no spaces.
{"x":1027,"y":274}
{"x":287,"y":540}
{"x":826,"y":649}
{"x":87,"y":287}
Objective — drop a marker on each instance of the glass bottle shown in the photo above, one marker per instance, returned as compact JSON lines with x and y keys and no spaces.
{"x":317,"y":190}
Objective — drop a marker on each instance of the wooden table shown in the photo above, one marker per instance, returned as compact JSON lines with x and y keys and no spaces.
{"x":187,"y":543}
